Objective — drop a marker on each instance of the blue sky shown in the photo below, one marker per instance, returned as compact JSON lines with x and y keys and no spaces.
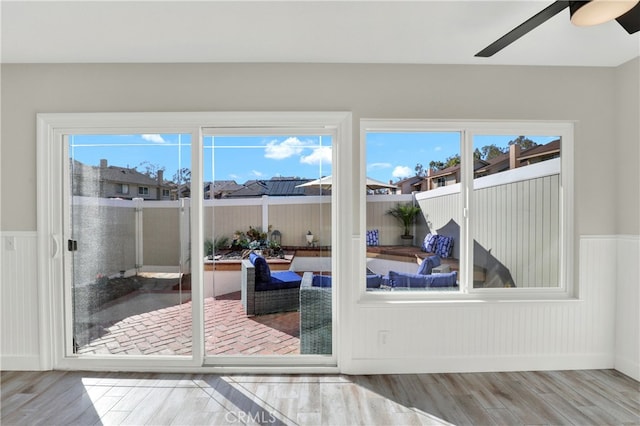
{"x":390,"y":156}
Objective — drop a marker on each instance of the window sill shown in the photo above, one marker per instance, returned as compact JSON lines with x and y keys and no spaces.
{"x":374,"y":299}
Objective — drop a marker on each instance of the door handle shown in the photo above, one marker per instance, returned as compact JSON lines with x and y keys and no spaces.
{"x":55,"y":246}
{"x":72,"y":245}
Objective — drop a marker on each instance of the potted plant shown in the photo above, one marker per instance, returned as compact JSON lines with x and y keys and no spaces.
{"x":309,"y":237}
{"x":406,"y":215}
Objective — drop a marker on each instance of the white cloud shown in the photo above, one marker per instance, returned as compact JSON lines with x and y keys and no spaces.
{"x":437,"y":148}
{"x":285,"y":149}
{"x":257,"y":173}
{"x":234,"y":176}
{"x":153,"y":138}
{"x":320,"y":155}
{"x":376,"y":166}
{"x":401,"y":172}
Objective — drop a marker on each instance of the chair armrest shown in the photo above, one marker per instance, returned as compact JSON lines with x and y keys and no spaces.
{"x":307,"y":279}
{"x":248,"y":286}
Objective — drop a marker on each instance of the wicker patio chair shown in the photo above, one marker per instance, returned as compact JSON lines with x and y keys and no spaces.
{"x":257,"y":301}
{"x":315,"y":316}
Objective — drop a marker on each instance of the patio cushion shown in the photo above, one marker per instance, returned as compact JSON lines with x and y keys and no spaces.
{"x":401,"y":279}
{"x":280,"y":280}
{"x":323,"y":281}
{"x":374,"y":280}
{"x":373,"y":237}
{"x":263,"y":272}
{"x":448,"y":279}
{"x":428,"y":264}
{"x":430,"y":242}
{"x":444,"y":246}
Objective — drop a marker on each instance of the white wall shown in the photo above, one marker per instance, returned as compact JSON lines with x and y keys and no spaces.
{"x":627,"y":210}
{"x":522,"y":335}
{"x":627,"y":153}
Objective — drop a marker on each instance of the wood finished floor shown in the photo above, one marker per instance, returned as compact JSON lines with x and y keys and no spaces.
{"x":586,"y":397}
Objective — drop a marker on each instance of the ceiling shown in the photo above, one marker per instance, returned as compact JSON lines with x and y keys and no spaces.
{"x":415,"y":32}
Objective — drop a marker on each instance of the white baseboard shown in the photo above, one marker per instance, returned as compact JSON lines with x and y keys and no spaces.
{"x":628,"y":367}
{"x":480,"y":364}
{"x":20,"y":363}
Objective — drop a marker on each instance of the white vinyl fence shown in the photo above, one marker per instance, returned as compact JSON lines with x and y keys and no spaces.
{"x":515,"y":219}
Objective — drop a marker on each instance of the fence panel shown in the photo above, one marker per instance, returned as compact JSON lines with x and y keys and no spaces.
{"x":161,"y":234}
{"x":105,"y":231}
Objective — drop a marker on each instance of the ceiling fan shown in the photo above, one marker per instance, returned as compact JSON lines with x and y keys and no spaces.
{"x":583,"y":13}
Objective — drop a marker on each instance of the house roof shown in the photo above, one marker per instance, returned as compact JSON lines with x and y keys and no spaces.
{"x":118,"y":174}
{"x":280,"y":187}
{"x":453,"y":169}
{"x":410,"y":180}
{"x":223,"y":187}
{"x":540,"y":150}
{"x":125,"y":175}
{"x":499,"y":162}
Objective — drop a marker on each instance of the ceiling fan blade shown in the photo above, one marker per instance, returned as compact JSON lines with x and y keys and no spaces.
{"x":630,"y":21}
{"x":541,"y":17}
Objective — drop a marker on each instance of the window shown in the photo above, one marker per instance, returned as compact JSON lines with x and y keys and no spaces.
{"x":122,"y":188}
{"x":165,"y":193}
{"x":143,"y":190}
{"x":492,"y":202}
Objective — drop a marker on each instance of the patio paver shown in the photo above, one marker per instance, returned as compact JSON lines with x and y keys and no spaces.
{"x":228,"y":331}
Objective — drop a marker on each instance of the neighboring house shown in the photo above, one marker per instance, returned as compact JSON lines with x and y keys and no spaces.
{"x":408,"y":185}
{"x":107,"y":181}
{"x":220,"y":189}
{"x":510,"y":160}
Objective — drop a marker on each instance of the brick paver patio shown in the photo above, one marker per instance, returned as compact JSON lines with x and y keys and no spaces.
{"x":228,"y":331}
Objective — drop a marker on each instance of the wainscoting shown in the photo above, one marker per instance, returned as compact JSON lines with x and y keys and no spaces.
{"x":597,"y":330}
{"x":627,"y":350}
{"x":592,"y":331}
{"x":19,"y":302}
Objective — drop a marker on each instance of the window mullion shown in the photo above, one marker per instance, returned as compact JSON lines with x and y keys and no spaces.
{"x":466,"y":189}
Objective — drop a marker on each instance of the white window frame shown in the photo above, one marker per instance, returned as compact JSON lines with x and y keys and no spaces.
{"x":51,"y":131}
{"x":567,"y":288}
{"x":143,"y":190}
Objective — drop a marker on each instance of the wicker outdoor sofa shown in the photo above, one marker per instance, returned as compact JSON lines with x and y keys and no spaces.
{"x":315,"y":314}
{"x":264,"y":292}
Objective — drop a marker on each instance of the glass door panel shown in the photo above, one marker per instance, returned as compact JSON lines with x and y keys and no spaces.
{"x":128,"y":246}
{"x":268,"y":234}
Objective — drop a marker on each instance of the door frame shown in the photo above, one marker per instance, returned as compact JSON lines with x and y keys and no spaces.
{"x":51,"y":128}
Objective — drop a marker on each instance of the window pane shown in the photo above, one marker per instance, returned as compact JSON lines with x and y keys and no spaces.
{"x":516,"y":211}
{"x":130,"y":283}
{"x":424,"y":172}
{"x":267,"y":222}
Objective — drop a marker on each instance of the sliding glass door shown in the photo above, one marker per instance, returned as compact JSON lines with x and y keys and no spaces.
{"x":267,"y":218}
{"x":166,"y":243}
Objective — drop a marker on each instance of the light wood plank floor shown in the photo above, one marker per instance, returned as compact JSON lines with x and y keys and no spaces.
{"x":589,"y":397}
